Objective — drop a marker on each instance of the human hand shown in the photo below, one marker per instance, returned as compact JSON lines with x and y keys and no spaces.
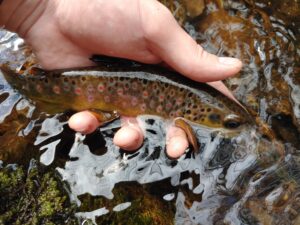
{"x":65,"y":33}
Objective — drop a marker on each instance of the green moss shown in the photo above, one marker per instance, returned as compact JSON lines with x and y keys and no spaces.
{"x":33,"y":197}
{"x":145,"y":208}
{"x":37,"y":197}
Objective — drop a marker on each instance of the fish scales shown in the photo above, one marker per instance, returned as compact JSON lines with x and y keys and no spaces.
{"x":130,"y":90}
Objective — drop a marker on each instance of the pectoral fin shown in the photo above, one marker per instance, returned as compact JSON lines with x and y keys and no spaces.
{"x":181,"y":123}
{"x":104,"y":117}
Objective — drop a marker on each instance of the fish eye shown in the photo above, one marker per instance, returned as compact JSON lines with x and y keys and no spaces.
{"x":232,"y":122}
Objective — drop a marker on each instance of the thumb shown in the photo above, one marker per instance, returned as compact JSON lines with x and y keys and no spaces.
{"x":173,"y":45}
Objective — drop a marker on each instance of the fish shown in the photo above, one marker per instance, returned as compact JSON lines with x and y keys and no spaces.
{"x":130,"y":90}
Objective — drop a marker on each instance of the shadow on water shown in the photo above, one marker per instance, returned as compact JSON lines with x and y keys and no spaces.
{"x":245,"y":179}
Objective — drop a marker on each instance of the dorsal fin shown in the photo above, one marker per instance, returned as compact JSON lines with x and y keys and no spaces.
{"x":113,"y":61}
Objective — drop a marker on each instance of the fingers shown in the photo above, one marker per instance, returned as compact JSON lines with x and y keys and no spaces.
{"x":130,"y":137}
{"x":172,"y":44}
{"x":177,"y":142}
{"x":84,"y":122}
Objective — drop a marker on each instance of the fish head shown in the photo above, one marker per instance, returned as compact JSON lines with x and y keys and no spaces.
{"x":226,"y":118}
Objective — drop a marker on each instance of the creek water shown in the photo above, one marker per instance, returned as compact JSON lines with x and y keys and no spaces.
{"x":246,"y":179}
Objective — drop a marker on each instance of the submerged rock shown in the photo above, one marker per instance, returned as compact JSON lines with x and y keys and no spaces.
{"x":35,"y":196}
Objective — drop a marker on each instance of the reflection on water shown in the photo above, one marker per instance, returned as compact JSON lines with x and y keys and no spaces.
{"x":246,"y":179}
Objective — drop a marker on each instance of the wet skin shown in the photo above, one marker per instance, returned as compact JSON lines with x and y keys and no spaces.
{"x":130,"y":90}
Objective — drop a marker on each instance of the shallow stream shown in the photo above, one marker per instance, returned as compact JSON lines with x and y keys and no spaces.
{"x":248,"y":179}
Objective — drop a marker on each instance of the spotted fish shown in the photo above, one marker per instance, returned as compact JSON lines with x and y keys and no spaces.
{"x":130,"y":90}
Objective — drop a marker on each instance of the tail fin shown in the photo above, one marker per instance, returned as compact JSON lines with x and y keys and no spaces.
{"x":11,"y":76}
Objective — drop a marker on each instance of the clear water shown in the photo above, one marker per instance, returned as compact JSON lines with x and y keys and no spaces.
{"x":246,"y":179}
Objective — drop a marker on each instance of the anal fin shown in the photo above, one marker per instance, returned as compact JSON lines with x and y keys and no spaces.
{"x":181,"y":123}
{"x":104,"y":117}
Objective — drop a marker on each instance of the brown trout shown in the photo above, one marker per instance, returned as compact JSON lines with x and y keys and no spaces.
{"x":130,"y":90}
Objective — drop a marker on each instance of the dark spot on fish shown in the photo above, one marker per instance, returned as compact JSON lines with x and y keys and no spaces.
{"x":166,"y":85}
{"x":202,"y":110}
{"x":215,"y":118}
{"x":66,"y":80}
{"x":195,"y":106}
{"x":46,"y":80}
{"x":73,"y":82}
{"x":190,"y":94}
{"x":122,"y":78}
{"x":83,"y":78}
{"x":188,"y":111}
{"x":208,"y":110}
{"x":181,"y":89}
{"x":145,"y":82}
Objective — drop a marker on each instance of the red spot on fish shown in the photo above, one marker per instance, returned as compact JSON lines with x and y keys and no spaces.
{"x":90,"y":98}
{"x":179,"y":101}
{"x":126,"y":86}
{"x":101,"y":87}
{"x":120,"y":91}
{"x":161,"y":98}
{"x":168,"y":105}
{"x":159,"y":109}
{"x":77,"y":91}
{"x":143,"y":107}
{"x":152,"y":104}
{"x":66,"y":87}
{"x":134,"y":86}
{"x":56,"y":89}
{"x":134,"y":101}
{"x":145,"y":94}
{"x":178,"y":113}
{"x":106,"y":98}
{"x":39,"y":88}
{"x":90,"y":89}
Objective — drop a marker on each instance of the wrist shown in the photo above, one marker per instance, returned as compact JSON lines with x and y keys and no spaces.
{"x":20,"y":15}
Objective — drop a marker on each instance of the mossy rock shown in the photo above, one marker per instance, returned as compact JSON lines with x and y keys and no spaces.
{"x":33,"y":197}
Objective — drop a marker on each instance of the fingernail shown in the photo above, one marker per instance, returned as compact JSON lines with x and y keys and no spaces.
{"x":229,"y":60}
